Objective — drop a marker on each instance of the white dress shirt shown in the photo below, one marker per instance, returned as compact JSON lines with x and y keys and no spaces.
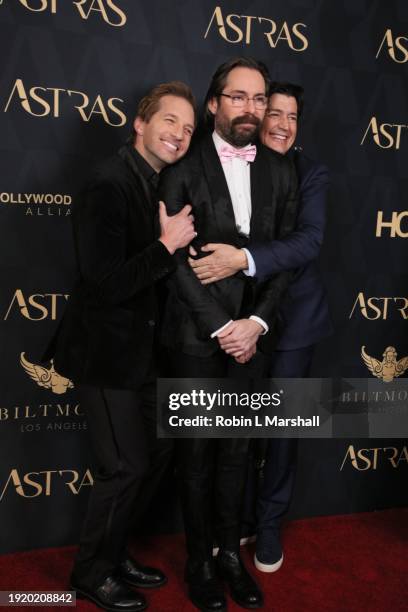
{"x":238,"y":177}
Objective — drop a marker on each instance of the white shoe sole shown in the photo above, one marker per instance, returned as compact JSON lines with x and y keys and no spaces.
{"x":242,"y":542}
{"x":247,"y":540}
{"x":268,"y":567}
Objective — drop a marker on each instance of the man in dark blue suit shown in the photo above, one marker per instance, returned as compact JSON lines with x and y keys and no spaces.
{"x":304,"y":316}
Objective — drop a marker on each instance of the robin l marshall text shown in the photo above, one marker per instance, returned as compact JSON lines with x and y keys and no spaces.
{"x":240,"y":421}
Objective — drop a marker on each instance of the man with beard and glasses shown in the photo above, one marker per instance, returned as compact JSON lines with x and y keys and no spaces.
{"x":238,"y":190}
{"x":304,"y":312}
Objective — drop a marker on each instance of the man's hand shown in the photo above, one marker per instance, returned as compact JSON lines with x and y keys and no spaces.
{"x":239,"y":337}
{"x":225,"y":260}
{"x":177,"y":231}
{"x":245,"y":357}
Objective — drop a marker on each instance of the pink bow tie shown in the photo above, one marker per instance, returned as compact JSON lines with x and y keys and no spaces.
{"x":228,"y":152}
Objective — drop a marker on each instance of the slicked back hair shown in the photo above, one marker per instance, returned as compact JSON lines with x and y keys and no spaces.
{"x":149,"y":104}
{"x":220,"y":78}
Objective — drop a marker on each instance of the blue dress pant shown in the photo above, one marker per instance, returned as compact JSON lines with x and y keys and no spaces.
{"x":268,"y":497}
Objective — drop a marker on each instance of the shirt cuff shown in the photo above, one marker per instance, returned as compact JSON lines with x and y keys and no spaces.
{"x":215,"y":334}
{"x":251,"y":270}
{"x":261,"y":322}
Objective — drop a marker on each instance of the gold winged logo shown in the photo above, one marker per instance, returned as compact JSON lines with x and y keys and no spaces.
{"x":47,"y":378}
{"x":387,"y":369}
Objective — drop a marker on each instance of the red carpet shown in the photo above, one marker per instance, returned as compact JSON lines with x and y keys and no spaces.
{"x":338,"y":563}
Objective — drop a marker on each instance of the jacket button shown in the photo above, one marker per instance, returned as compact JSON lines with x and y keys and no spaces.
{"x":151,"y":323}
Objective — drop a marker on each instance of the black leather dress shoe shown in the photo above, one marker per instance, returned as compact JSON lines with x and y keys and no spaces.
{"x":113,"y":594}
{"x":141,"y":576}
{"x":204,"y":589}
{"x":243,"y":588}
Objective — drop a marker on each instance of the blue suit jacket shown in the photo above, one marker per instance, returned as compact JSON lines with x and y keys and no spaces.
{"x":304,"y":313}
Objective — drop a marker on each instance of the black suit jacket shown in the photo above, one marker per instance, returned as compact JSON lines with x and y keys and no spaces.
{"x":194,"y":311}
{"x":106,"y":335}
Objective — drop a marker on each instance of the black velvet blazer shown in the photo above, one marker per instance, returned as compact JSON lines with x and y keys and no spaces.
{"x":194,"y":311}
{"x":107,"y":332}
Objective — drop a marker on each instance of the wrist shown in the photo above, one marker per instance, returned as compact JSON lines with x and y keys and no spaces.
{"x":170,"y":247}
{"x":241,"y":260}
{"x":258,"y":328}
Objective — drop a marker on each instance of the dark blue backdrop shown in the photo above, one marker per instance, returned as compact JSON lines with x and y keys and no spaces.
{"x":72,"y":72}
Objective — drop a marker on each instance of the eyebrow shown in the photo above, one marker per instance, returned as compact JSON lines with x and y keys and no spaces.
{"x":279,"y":110}
{"x":176,"y":117}
{"x":239,"y":91}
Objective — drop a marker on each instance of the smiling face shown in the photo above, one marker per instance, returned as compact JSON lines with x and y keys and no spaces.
{"x":165,"y":138}
{"x":239,"y":125}
{"x":279,"y":128}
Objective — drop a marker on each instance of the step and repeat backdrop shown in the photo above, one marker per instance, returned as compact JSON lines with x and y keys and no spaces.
{"x":72,"y":72}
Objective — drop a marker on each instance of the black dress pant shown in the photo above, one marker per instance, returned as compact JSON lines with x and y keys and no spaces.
{"x":129,"y":462}
{"x":267,"y":503}
{"x":212,"y":472}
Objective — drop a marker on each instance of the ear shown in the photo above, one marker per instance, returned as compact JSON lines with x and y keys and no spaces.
{"x":212,"y":105}
{"x":138,"y":125}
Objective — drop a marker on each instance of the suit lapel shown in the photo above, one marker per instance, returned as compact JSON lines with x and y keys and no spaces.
{"x":261,"y":188}
{"x":144,"y":203}
{"x":126,"y":155}
{"x":223,"y":212}
{"x":302,"y":169}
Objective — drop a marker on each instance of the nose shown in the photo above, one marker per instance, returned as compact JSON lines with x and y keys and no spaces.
{"x":284,"y":122}
{"x":250,"y":103}
{"x":178,"y":131}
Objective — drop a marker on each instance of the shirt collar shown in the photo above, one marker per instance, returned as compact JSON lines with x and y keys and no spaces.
{"x":144,"y":167}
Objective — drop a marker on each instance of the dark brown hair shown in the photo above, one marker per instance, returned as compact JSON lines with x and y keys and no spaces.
{"x":288,"y":89}
{"x":221,"y":74}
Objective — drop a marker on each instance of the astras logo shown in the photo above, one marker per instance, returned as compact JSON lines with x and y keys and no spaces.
{"x":35,"y":484}
{"x":363,"y":459}
{"x":385,"y":135}
{"x":373,"y":308}
{"x":395,"y":46}
{"x":243,"y":28}
{"x":37,"y":306}
{"x":39,"y":101}
{"x":108,"y":10}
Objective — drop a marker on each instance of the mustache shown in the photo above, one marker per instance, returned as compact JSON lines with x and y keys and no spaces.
{"x":246,"y":119}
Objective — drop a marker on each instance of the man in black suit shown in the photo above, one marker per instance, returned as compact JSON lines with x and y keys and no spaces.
{"x":105,"y":344}
{"x":236,"y":190}
{"x":304,"y":314}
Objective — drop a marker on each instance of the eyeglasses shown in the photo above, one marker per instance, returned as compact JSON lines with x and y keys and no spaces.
{"x":240,"y":100}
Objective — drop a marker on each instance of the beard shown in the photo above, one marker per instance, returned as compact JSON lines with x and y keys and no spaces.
{"x":236,"y":135}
